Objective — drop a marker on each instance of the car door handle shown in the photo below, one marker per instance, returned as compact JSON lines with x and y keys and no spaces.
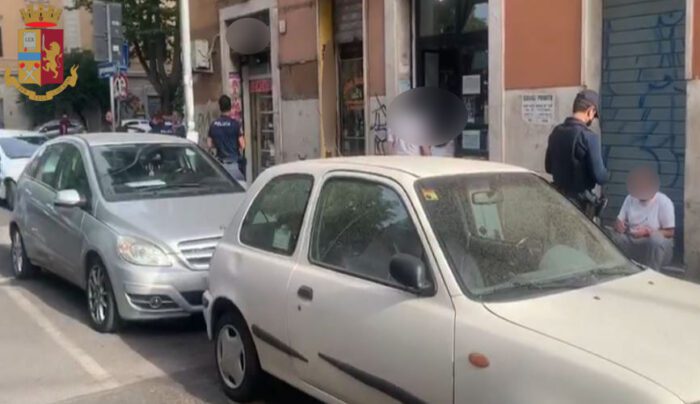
{"x":305,"y":293}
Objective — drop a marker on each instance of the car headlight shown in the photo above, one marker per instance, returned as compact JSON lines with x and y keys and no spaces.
{"x":140,"y":252}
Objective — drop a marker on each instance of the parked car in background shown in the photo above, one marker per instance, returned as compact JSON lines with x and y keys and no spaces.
{"x":131,"y":218}
{"x":16,"y":148}
{"x":428,"y":280}
{"x":136,"y":125}
{"x":51,"y":128}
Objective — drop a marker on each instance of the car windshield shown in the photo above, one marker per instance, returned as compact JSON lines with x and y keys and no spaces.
{"x":140,"y":171}
{"x":508,"y":236}
{"x":18,"y":148}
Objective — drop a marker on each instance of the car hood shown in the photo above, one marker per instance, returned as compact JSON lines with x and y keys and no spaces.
{"x":12,"y":168}
{"x":648,"y":323}
{"x":169,"y":221}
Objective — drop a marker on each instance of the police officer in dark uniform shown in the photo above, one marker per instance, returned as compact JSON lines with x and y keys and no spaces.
{"x":574,"y":157}
{"x":226,"y":136}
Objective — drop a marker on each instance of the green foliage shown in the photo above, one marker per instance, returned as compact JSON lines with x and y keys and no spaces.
{"x":152,"y":28}
{"x":88,"y":92}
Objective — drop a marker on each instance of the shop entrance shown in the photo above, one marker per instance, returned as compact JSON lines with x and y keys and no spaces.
{"x":452,"y":53}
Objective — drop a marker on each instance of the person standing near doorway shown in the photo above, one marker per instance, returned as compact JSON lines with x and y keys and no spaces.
{"x":226,"y":136}
{"x":399,"y":147}
{"x":574,"y":157}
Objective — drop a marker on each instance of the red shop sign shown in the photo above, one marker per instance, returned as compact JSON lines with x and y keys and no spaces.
{"x":261,"y":86}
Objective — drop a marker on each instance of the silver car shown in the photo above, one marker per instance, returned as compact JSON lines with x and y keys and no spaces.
{"x":131,"y":219}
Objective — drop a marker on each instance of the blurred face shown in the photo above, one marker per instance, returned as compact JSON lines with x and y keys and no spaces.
{"x":642,"y":185}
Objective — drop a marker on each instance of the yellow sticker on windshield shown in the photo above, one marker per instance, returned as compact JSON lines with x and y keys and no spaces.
{"x":430,"y":195}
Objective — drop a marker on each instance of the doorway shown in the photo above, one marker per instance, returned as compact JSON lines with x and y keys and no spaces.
{"x":452,"y":53}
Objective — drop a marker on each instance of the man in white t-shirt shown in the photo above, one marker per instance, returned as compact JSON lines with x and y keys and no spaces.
{"x":646,"y":224}
{"x":401,"y":148}
{"x":443,"y":150}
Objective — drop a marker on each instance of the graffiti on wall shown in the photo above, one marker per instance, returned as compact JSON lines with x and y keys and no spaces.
{"x":643,"y":92}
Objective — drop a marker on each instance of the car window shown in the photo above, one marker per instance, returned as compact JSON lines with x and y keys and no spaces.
{"x":16,"y":148}
{"x":360,"y":226}
{"x":274,"y":220}
{"x":46,"y":171}
{"x":71,"y":173}
{"x":134,"y":171}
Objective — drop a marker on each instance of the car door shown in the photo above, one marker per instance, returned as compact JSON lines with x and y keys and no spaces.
{"x":38,"y":195}
{"x":361,"y":336}
{"x":264,"y":262}
{"x":65,"y":224}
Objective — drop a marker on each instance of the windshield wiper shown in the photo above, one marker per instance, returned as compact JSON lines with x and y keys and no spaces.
{"x":160,"y":187}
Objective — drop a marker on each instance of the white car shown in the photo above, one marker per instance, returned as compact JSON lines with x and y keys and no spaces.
{"x":137,"y":125}
{"x":16,"y":149}
{"x":428,"y":280}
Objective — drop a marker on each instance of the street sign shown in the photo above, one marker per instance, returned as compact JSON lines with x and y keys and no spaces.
{"x":107,"y":34}
{"x":124,"y":61}
{"x":106,"y":69}
{"x":121,"y":86}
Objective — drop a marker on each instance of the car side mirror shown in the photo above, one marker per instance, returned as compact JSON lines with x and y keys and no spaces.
{"x":411,"y":272}
{"x":69,"y":198}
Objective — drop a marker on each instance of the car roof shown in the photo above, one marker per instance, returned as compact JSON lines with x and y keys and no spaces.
{"x":18,"y":133}
{"x":102,"y":139}
{"x":417,"y":166}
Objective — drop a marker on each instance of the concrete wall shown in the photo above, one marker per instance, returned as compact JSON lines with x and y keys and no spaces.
{"x":299,"y":81}
{"x":530,"y":68}
{"x":12,"y":115}
{"x":692,"y":180}
{"x":526,"y":143}
{"x":529,"y":25}
{"x":692,"y":141}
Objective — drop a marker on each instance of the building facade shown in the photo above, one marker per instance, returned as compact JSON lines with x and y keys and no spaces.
{"x":333,"y":65}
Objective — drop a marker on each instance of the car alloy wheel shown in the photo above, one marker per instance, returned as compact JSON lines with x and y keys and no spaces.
{"x":21,"y":265}
{"x":230,"y":355}
{"x":97,"y":295}
{"x":104,"y":315}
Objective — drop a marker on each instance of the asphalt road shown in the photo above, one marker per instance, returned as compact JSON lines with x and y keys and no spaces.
{"x":49,"y":354}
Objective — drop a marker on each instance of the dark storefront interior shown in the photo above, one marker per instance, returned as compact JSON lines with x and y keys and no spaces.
{"x":451,"y":48}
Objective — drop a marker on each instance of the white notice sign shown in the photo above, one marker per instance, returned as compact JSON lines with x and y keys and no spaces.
{"x":538,"y":109}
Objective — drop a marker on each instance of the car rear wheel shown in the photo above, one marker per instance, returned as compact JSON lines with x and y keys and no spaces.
{"x":10,"y":191}
{"x":21,"y":266}
{"x":102,"y":307}
{"x":237,"y":359}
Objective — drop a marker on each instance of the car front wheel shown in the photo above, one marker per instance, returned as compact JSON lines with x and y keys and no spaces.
{"x":102,"y":307}
{"x":21,"y":266}
{"x":237,"y":359}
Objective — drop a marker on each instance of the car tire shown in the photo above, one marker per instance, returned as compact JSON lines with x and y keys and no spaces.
{"x":237,"y":358}
{"x":21,"y":266}
{"x":103,"y":312}
{"x":10,"y":192}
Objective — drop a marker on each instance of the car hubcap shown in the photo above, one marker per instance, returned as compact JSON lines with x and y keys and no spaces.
{"x":230,"y":356}
{"x":97,"y":295}
{"x":17,"y":253}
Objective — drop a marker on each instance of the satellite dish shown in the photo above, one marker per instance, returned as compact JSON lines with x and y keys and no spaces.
{"x":248,"y":36}
{"x":426,"y":116}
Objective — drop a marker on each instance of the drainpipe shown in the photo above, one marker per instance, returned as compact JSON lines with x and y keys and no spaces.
{"x":187,"y":70}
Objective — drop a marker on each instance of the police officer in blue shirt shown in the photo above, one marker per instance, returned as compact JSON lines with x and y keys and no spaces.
{"x":226,"y":136}
{"x":574,"y":157}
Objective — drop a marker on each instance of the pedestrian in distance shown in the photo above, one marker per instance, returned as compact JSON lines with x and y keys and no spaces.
{"x":574,"y":157}
{"x":226,"y":136}
{"x":179,"y":129}
{"x":63,"y":125}
{"x":645,"y":226}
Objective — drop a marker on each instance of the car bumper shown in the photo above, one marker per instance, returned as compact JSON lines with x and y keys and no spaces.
{"x":144,"y":293}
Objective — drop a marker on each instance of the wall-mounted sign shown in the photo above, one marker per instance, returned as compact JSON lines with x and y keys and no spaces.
{"x":261,"y":86}
{"x":538,"y":109}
